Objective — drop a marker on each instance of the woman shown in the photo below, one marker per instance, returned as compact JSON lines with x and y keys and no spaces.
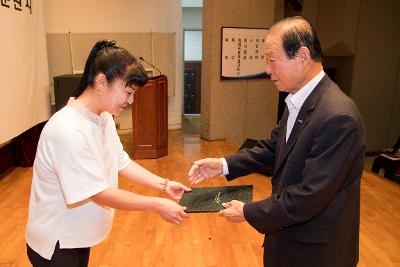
{"x":78,"y":159}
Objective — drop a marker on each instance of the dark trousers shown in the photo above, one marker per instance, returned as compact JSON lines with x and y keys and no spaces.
{"x":389,"y":165}
{"x":68,"y":257}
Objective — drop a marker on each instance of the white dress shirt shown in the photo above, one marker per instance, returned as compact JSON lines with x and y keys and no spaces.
{"x":295,"y":101}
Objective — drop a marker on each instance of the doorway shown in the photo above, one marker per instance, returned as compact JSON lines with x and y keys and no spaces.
{"x":192,"y":71}
{"x":192,"y":22}
{"x":192,"y":80}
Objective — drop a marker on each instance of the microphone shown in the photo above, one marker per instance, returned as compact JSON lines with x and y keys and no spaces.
{"x":151,"y":65}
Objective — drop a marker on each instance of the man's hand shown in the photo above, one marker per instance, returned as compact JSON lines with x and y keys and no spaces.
{"x":176,"y":190}
{"x":205,"y":169}
{"x":233,"y":211}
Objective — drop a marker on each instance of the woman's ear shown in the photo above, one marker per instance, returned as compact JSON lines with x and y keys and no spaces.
{"x":100,"y":80}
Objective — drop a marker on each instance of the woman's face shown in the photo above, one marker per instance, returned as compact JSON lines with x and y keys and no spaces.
{"x":118,"y":96}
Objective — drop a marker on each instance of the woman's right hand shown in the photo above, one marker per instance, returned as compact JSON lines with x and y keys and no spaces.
{"x":171,"y":211}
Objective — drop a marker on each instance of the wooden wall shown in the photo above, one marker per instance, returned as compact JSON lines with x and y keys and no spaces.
{"x":235,"y":109}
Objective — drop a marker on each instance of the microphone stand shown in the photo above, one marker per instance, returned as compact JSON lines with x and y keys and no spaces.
{"x":151,"y":65}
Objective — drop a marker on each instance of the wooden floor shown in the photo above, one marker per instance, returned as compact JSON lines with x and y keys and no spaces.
{"x":143,"y":239}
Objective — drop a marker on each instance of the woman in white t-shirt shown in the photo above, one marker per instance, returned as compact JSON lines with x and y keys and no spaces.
{"x":78,"y":159}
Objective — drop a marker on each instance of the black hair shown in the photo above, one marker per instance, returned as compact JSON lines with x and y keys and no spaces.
{"x":114,"y":62}
{"x":300,"y":33}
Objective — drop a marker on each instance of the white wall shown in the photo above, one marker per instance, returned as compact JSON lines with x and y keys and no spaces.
{"x":124,"y":16}
{"x":192,"y":3}
{"x":193,"y":45}
{"x":112,"y":16}
{"x":192,"y":18}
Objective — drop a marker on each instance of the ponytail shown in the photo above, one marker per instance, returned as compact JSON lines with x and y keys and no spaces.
{"x":114,"y":62}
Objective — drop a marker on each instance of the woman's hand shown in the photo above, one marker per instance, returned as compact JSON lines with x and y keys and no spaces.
{"x":171,"y":211}
{"x":176,"y":190}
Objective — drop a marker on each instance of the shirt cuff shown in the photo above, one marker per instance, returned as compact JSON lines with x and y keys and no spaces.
{"x":225,"y":170}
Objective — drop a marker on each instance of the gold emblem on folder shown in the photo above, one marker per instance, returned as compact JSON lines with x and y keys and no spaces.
{"x":217,"y":198}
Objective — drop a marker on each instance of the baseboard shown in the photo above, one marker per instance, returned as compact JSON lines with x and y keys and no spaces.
{"x":174,"y":126}
{"x":6,"y":157}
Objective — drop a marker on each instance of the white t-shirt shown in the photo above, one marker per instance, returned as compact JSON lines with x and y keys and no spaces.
{"x":79,"y":155}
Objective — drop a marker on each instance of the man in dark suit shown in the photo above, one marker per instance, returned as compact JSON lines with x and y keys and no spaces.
{"x":317,"y":150}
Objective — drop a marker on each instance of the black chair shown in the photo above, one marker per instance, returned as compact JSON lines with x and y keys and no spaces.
{"x":389,"y":160}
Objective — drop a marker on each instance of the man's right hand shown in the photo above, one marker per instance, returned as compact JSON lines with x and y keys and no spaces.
{"x":205,"y":169}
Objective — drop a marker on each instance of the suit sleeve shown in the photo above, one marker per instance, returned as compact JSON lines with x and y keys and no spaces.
{"x":256,"y":159}
{"x":332,"y":153}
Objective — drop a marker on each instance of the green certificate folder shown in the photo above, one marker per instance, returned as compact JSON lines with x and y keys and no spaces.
{"x":210,"y":199}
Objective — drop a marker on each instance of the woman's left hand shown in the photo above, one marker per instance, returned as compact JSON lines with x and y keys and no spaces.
{"x":176,"y":190}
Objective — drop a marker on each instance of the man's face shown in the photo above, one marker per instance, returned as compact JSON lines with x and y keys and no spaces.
{"x":287,"y":74}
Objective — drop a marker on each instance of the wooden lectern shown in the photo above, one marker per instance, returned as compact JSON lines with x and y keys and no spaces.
{"x":150,"y":119}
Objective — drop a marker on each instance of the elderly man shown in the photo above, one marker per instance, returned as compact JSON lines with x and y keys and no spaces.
{"x":317,"y":149}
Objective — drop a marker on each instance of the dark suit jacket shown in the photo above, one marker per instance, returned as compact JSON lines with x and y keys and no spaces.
{"x":312,"y":216}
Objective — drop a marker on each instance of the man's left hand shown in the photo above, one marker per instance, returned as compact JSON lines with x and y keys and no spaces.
{"x":233,"y":211}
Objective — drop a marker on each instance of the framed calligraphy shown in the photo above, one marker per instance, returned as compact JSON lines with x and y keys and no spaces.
{"x":242,"y":53}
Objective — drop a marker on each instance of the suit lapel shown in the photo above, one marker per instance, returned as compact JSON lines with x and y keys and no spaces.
{"x":302,"y":120}
{"x":282,"y":136}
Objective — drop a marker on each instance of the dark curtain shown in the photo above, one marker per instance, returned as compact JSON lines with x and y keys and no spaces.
{"x":25,"y":145}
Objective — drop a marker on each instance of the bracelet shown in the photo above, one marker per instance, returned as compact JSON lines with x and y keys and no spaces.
{"x":164,"y":185}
